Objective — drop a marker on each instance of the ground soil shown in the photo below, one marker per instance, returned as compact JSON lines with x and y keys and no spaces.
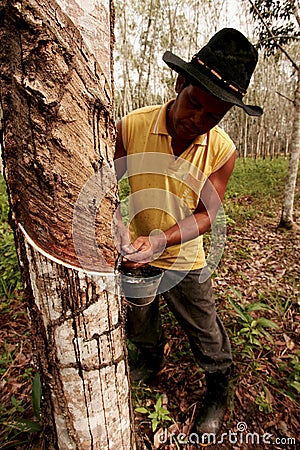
{"x":259,"y":262}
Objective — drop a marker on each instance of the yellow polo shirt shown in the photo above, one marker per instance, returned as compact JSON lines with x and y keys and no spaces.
{"x":164,"y":188}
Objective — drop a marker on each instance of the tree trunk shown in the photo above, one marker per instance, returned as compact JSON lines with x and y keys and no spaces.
{"x":286,"y":220}
{"x":58,"y":137}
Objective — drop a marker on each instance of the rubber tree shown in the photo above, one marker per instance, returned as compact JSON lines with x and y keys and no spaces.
{"x":57,"y":141}
{"x":278,"y":25}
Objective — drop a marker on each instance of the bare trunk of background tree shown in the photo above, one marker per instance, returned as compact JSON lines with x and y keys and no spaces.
{"x":57,"y":101}
{"x":287,"y":220}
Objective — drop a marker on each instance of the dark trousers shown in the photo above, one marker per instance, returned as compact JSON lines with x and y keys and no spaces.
{"x":191,"y":301}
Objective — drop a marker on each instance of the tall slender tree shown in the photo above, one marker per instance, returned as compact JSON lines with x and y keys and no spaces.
{"x":278,"y":25}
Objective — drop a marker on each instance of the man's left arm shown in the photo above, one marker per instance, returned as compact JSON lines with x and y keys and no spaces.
{"x":191,"y":227}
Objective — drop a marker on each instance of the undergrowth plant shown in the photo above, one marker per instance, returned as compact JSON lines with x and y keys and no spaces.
{"x":158,"y":416}
{"x":290,"y":370}
{"x":10,"y":281}
{"x":254,"y":190}
{"x":15,"y":430}
{"x":251,"y":329}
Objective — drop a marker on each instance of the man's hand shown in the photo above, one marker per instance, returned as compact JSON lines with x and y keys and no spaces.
{"x":147,"y":248}
{"x":122,"y":238}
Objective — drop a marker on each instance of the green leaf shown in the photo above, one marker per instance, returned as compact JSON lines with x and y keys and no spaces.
{"x":142,"y":410}
{"x":164,"y":411}
{"x":154,"y":424}
{"x":295,"y":385}
{"x":158,"y":403}
{"x":268,"y":336}
{"x":240,"y":311}
{"x":26,"y":426}
{"x":256,"y":332}
{"x":37,"y":395}
{"x":257,"y":306}
{"x":256,"y":342}
{"x":244,"y":330}
{"x":266,"y":323}
{"x":238,"y":341}
{"x":31,"y":425}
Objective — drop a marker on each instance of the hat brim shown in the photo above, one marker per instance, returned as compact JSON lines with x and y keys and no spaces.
{"x":191,"y":72}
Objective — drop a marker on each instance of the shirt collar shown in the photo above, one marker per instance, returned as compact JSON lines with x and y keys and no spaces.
{"x":160,"y":125}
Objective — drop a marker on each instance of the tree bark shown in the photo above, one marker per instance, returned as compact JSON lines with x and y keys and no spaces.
{"x":287,"y":221}
{"x":58,"y":134}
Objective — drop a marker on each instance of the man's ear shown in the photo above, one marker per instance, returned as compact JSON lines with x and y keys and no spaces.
{"x":180,"y":83}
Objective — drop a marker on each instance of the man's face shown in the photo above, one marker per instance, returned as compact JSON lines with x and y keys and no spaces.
{"x":195,"y":111}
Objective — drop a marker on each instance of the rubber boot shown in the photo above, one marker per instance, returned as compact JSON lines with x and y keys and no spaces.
{"x":210,"y":419}
{"x":150,"y":362}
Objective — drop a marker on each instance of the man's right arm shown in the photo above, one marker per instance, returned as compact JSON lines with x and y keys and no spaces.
{"x":122,"y":234}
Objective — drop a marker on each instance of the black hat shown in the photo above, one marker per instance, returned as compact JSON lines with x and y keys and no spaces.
{"x":223,"y":66}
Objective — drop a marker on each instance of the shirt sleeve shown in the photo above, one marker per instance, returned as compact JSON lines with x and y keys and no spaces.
{"x":224,"y":148}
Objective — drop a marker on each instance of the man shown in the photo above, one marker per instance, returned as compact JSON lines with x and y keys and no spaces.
{"x":179,"y":163}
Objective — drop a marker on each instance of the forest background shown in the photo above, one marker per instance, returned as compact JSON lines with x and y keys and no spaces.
{"x":257,"y":281}
{"x":145,"y":29}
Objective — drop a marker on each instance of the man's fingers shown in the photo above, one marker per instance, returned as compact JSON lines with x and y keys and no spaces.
{"x":139,"y":256}
{"x":128,"y":249}
{"x":130,"y":265}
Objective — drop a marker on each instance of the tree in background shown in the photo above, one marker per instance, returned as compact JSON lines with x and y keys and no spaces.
{"x":278,"y":25}
{"x":183,"y":27}
{"x":144,"y":30}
